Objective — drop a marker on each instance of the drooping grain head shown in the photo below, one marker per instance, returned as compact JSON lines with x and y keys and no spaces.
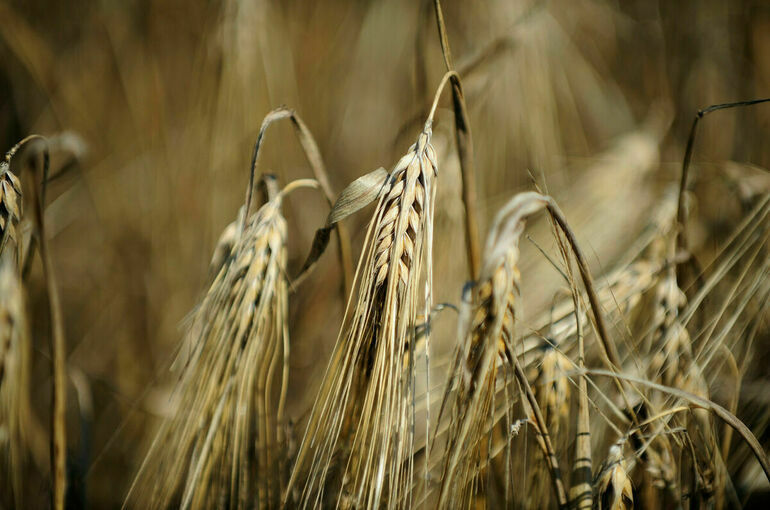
{"x":486,"y":339}
{"x":363,"y":419}
{"x":225,"y":441}
{"x":553,"y":390}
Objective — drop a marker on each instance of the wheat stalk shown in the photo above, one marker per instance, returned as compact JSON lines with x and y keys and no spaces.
{"x":464,"y":141}
{"x":58,"y":445}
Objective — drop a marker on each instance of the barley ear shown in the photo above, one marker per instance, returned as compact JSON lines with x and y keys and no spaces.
{"x":11,"y":195}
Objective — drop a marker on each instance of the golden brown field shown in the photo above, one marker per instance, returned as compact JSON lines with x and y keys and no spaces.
{"x":384,"y":254}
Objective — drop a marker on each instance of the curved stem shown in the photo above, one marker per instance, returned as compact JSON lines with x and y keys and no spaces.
{"x":601,"y":327}
{"x":437,"y":96}
{"x":58,"y":344}
{"x":696,"y":401}
{"x":464,"y":141}
{"x":313,"y":155}
{"x":681,"y":212}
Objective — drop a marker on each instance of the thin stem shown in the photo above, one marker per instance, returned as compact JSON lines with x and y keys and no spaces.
{"x":437,"y":96}
{"x":445,"y":50}
{"x":550,"y":454}
{"x":681,"y":212}
{"x":58,"y":345}
{"x":601,"y":328}
{"x":313,"y":155}
{"x":581,"y":494}
{"x":464,"y":142}
{"x":700,"y":402}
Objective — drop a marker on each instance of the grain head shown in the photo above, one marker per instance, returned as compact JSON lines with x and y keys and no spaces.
{"x":359,"y":437}
{"x":224,"y":444}
{"x":614,"y":488}
{"x":10,"y":204}
{"x":487,"y":329}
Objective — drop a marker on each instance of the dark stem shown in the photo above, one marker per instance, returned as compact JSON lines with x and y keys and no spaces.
{"x":681,"y":213}
{"x":58,"y":345}
{"x":313,"y":155}
{"x":464,"y":142}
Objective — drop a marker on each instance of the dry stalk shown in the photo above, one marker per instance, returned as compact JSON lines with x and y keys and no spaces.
{"x":464,"y":150}
{"x":581,"y":490}
{"x":58,"y":344}
{"x":681,"y":212}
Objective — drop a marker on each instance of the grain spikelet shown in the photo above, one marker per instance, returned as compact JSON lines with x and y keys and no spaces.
{"x":223,"y":447}
{"x":553,"y":390}
{"x":359,"y":437}
{"x":14,"y":379}
{"x":10,"y":204}
{"x":614,"y":485}
{"x":11,"y":193}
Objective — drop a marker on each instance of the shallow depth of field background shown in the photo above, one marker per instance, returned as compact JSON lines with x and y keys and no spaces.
{"x":593,"y":99}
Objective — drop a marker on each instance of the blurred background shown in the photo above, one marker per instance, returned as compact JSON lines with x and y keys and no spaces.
{"x":154,"y":108}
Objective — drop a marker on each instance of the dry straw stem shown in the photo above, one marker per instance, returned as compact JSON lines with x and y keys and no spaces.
{"x":580,"y":493}
{"x":464,"y":150}
{"x":58,"y":344}
{"x":313,"y":155}
{"x":358,"y":445}
{"x":681,"y":212}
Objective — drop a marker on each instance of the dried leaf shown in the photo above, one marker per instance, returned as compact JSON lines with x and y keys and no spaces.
{"x":355,"y":197}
